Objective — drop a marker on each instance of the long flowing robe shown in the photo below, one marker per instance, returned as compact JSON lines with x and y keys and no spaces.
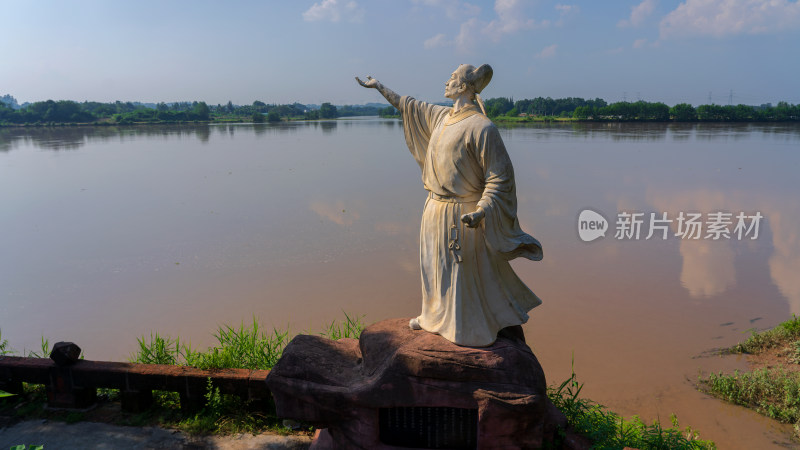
{"x":469,"y":290}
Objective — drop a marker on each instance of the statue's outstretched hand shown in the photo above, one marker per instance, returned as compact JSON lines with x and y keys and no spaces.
{"x":387,"y":93}
{"x":473,"y":219}
{"x":370,"y":83}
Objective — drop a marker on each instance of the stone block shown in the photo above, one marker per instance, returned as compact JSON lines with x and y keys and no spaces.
{"x":416,"y":380}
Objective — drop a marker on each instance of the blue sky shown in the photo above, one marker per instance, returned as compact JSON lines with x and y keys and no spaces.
{"x":309,"y":51}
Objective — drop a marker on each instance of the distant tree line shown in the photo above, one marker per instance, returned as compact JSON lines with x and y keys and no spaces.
{"x":67,"y":111}
{"x":389,"y":111}
{"x":539,"y":106}
{"x":599,"y":110}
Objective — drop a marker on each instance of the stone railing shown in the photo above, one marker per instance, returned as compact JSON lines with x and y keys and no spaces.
{"x":72,"y":383}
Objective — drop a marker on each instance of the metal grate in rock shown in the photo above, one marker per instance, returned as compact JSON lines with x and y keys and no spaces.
{"x":429,"y":427}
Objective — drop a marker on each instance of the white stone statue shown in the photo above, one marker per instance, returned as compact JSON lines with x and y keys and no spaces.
{"x":469,"y":228}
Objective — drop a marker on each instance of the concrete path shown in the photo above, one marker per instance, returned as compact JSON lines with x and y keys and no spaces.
{"x":90,"y":435}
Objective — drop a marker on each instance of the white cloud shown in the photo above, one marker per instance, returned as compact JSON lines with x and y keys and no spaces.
{"x":466,"y":35}
{"x":510,"y":19}
{"x":548,"y":52}
{"x":639,"y":43}
{"x":639,"y":14}
{"x":453,"y":9}
{"x":440,"y":40}
{"x":334,"y":11}
{"x":729,"y":17}
{"x":565,"y":11}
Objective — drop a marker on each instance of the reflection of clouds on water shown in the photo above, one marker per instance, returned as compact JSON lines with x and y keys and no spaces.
{"x":409,"y":265}
{"x":555,"y":211}
{"x":707,"y":268}
{"x":784,"y":264}
{"x":336,"y":212}
{"x":542,"y":173}
{"x":624,"y":203}
{"x":395,"y":228}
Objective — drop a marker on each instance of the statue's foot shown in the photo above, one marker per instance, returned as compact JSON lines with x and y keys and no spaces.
{"x":414,"y":324}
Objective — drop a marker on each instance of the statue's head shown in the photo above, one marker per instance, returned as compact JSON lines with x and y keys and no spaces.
{"x":468,"y":79}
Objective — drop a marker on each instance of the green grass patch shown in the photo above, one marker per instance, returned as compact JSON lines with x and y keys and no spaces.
{"x":608,"y":430}
{"x":245,"y":347}
{"x":4,"y":348}
{"x":350,"y":328}
{"x":780,"y":335}
{"x":227,"y":414}
{"x":773,"y":392}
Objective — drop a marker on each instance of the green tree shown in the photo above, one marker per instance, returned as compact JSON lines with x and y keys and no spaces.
{"x":497,"y":106}
{"x":657,"y":111}
{"x":710,"y":113}
{"x":258,"y":117}
{"x":327,"y":111}
{"x":273,"y":116}
{"x":683,"y":112}
{"x":260,"y":106}
{"x":388,"y":111}
{"x":743,"y":112}
{"x":200,"y":111}
{"x":582,"y":112}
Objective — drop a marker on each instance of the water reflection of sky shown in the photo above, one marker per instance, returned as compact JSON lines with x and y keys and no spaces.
{"x":180,"y":228}
{"x":307,"y":192}
{"x":656,"y":168}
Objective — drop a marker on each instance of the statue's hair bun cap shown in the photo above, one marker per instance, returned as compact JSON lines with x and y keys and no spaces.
{"x":480,"y":77}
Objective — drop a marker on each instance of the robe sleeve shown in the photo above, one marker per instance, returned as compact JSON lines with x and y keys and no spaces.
{"x":499,"y":200}
{"x":419,"y":121}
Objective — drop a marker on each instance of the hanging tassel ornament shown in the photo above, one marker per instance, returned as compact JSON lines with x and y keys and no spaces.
{"x":480,"y":103}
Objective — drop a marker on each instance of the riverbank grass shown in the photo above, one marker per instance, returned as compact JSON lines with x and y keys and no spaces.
{"x":608,"y":430}
{"x":772,"y":390}
{"x":786,"y":335}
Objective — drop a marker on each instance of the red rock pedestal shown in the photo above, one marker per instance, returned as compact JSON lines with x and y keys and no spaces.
{"x":398,"y":388}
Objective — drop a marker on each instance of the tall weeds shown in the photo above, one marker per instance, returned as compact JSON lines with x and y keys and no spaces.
{"x":243,"y":347}
{"x":4,"y":348}
{"x":608,"y":430}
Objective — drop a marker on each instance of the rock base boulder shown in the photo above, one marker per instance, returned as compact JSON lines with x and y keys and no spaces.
{"x":399,"y":388}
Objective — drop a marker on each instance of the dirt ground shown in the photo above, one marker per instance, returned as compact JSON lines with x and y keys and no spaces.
{"x":773,"y":358}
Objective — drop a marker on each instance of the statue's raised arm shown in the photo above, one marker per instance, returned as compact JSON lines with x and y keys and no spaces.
{"x":390,"y":95}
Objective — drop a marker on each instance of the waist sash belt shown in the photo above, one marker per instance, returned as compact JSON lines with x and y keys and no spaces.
{"x":452,"y":199}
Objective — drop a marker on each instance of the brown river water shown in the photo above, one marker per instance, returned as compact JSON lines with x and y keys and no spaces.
{"x":112,"y":233}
